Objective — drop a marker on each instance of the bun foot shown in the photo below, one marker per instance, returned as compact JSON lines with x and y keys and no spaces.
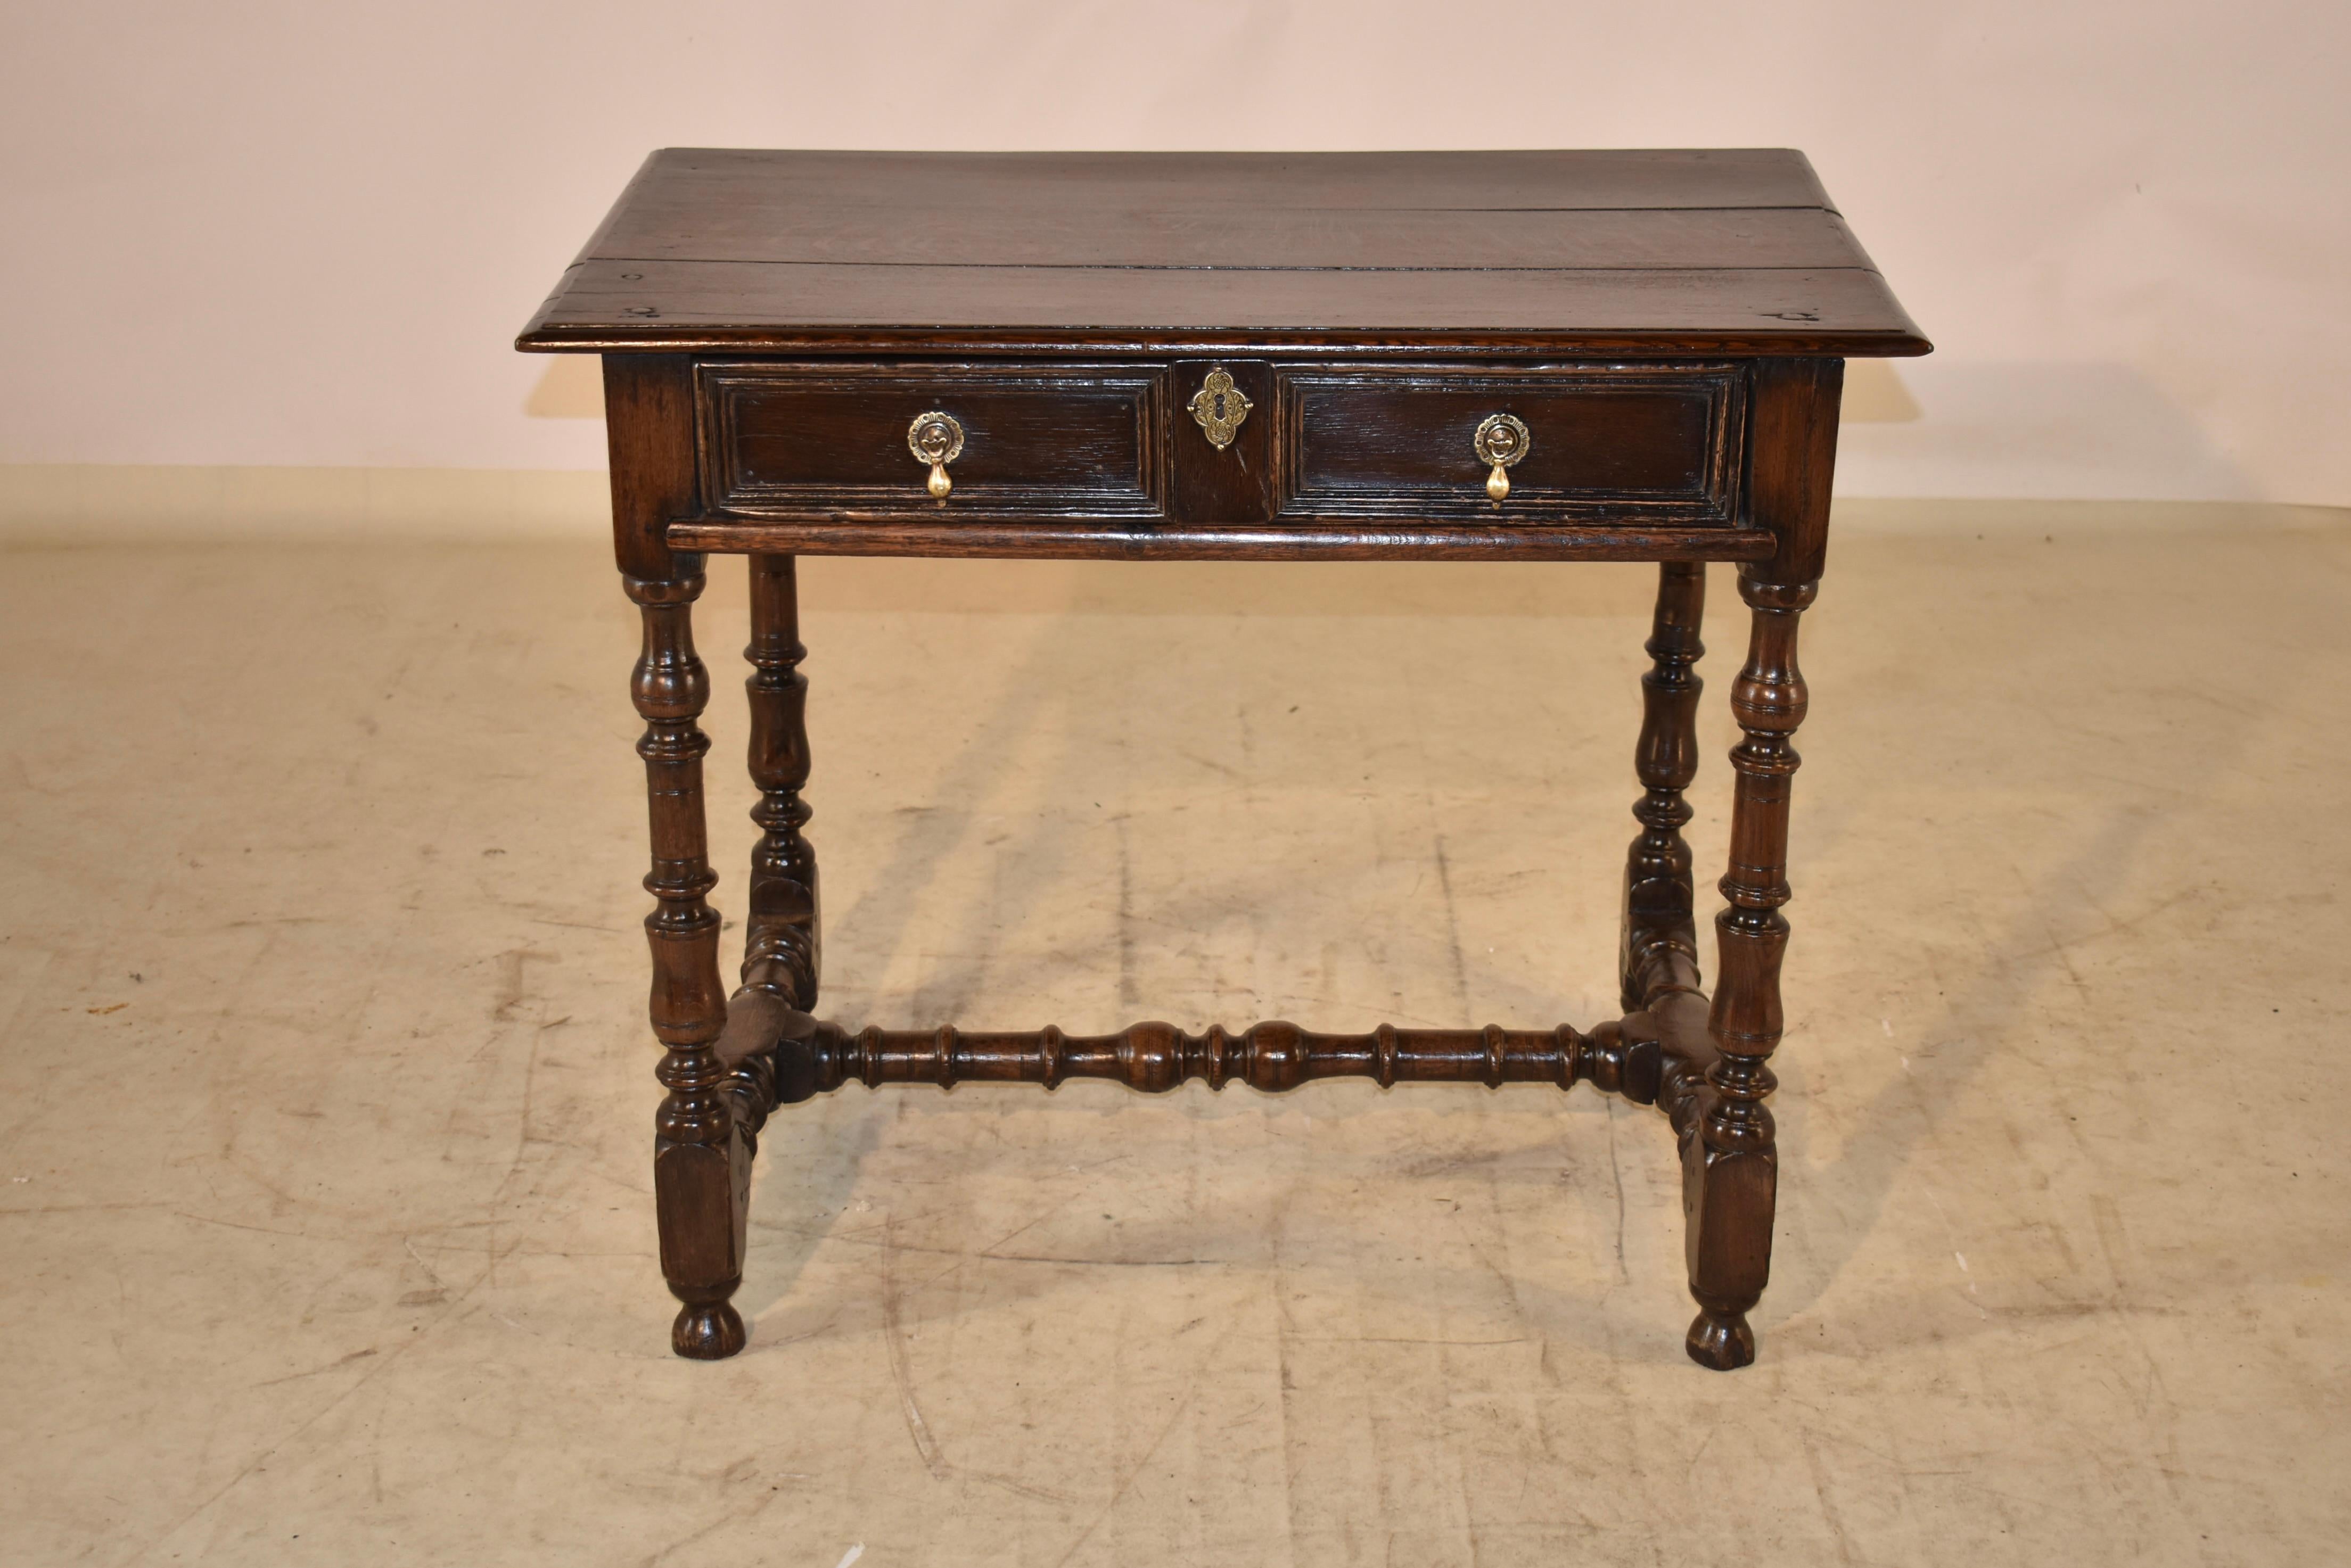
{"x":713,"y":1331}
{"x":1721,"y":1340}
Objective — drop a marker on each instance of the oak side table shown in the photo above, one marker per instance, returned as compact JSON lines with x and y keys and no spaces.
{"x":1425,"y":356}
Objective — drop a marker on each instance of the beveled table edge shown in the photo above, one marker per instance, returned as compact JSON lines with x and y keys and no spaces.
{"x":667,"y":338}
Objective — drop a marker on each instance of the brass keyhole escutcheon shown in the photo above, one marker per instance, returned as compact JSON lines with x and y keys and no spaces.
{"x":1501,"y":440}
{"x":937,"y":439}
{"x":1219,"y":407}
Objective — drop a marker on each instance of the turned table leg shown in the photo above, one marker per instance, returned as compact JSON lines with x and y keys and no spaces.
{"x":1730,"y":1162}
{"x":782,"y":945}
{"x":1660,"y":944}
{"x":701,"y":1163}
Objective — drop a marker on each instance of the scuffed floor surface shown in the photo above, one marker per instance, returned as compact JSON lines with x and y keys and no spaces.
{"x":326,"y":1099}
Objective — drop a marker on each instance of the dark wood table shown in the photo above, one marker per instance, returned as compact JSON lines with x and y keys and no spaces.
{"x":1421,"y":356}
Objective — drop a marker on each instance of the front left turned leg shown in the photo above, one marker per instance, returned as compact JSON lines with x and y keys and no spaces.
{"x":1729,"y":1159}
{"x":701,"y":1161}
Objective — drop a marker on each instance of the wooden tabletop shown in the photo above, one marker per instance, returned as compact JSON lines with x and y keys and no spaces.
{"x":1736,"y":251}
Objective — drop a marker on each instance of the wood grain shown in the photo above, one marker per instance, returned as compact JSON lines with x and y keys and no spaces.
{"x":656,"y":473}
{"x":1670,"y":252}
{"x":1052,"y":437}
{"x":782,"y":944}
{"x":959,"y":233}
{"x":1630,"y":444}
{"x":683,"y":195}
{"x":1669,"y":326}
{"x":701,"y":1168}
{"x":1658,"y":954}
{"x":681,"y":306}
{"x":1154,"y":1057}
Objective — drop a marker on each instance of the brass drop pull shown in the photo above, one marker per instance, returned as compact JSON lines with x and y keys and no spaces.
{"x":1501,"y":440}
{"x":1218,"y":408}
{"x":937,"y":439}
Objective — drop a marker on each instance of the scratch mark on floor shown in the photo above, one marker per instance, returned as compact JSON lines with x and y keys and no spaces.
{"x":900,"y":1371}
{"x":1285,"y":1385}
{"x":313,"y":1371}
{"x":1616,"y":1179}
{"x":1129,"y":995}
{"x":1213,"y":766}
{"x":1504,"y":1278}
{"x":734,"y":1516}
{"x":522,"y":1143}
{"x":1019,"y":1487}
{"x":1104,"y":1262}
{"x":107,"y":1209}
{"x":233,"y":1224}
{"x":990,"y":1250}
{"x":1126,"y":1482}
{"x":512,"y":985}
{"x":1396,"y":1339}
{"x":1452,"y":922}
{"x":1699,"y":1453}
{"x":375,"y":1454}
{"x":254,"y":1464}
{"x":1820,"y":1496}
{"x":2059,"y":949}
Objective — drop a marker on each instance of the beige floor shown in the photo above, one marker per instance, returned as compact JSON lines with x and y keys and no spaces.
{"x":325,"y":1098}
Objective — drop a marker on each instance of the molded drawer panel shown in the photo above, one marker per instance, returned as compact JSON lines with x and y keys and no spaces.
{"x":1616,"y":443}
{"x":1061,"y":439}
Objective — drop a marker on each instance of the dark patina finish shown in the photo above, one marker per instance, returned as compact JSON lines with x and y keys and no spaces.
{"x":1428,"y":356}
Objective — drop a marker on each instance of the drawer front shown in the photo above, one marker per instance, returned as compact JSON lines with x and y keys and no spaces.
{"x":1061,"y":439}
{"x":1614,"y":444}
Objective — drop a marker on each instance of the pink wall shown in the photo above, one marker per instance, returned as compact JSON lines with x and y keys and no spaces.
{"x":303,"y":234}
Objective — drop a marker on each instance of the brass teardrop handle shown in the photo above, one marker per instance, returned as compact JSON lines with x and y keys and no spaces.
{"x":937,"y":439}
{"x":1501,"y":440}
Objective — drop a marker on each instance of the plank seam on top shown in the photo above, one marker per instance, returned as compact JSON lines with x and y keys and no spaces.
{"x":1193,"y":265}
{"x":1281,"y":207}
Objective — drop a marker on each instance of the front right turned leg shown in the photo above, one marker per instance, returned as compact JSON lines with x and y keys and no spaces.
{"x":1730,"y":1168}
